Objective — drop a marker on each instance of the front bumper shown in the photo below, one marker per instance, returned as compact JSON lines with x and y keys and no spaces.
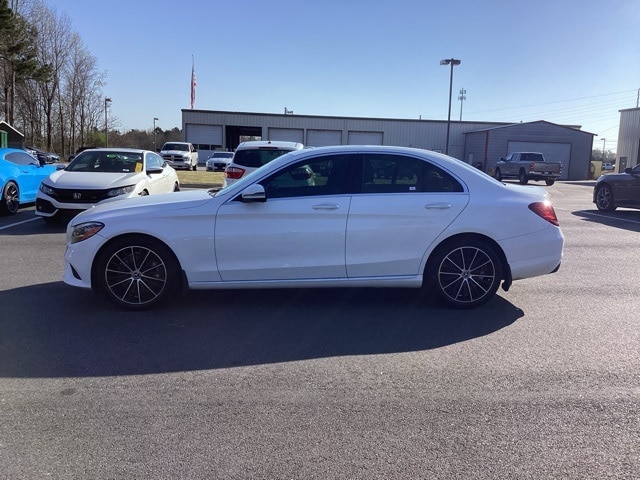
{"x":48,"y":207}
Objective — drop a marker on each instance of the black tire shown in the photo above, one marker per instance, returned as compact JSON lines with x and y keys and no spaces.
{"x":522,"y":177}
{"x":195,"y":168}
{"x":176,"y":187}
{"x":464,"y":273}
{"x":549,"y":181}
{"x":10,"y":201}
{"x":137,"y":272}
{"x":498,"y":175}
{"x":604,"y":198}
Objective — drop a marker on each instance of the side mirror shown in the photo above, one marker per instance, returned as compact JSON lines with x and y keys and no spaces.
{"x":628,"y":170}
{"x":151,"y":170}
{"x":254,"y":193}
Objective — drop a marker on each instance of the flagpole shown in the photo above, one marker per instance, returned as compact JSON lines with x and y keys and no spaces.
{"x":193,"y":82}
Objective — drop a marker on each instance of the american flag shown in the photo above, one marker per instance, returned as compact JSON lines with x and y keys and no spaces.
{"x":193,"y":84}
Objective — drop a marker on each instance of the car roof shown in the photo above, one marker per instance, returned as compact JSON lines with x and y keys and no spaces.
{"x":10,"y":149}
{"x":115,"y":149}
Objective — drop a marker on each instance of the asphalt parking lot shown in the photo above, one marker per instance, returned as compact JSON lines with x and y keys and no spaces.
{"x":542,"y":382}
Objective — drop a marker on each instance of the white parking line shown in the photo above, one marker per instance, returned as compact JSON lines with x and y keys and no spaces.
{"x":19,"y":223}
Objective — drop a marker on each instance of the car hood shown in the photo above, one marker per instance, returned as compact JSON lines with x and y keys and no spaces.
{"x":146,"y":206}
{"x":92,"y":180}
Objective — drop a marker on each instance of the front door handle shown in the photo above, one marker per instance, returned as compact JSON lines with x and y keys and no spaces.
{"x":326,"y":206}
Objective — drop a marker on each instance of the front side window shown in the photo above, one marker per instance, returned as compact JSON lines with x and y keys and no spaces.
{"x":154,"y":161}
{"x":20,"y":158}
{"x":327,"y":175}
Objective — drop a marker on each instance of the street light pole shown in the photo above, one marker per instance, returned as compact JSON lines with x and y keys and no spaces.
{"x":453,"y":62}
{"x":155,"y":119}
{"x":604,"y":142}
{"x":107,"y":100}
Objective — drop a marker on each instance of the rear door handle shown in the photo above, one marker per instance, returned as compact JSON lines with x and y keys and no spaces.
{"x":437,"y":206}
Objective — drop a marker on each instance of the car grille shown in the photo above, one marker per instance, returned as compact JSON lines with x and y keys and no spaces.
{"x":79,"y":196}
{"x":174,"y":158}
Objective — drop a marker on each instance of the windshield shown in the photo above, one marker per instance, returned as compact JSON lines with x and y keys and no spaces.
{"x":106,"y":162}
{"x":176,"y":146}
{"x":222,"y":154}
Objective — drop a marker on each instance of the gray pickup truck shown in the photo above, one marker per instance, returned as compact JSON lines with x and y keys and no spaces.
{"x":527,"y":166}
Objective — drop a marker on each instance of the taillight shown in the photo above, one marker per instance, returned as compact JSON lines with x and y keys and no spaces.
{"x":545,"y":210}
{"x":234,"y":173}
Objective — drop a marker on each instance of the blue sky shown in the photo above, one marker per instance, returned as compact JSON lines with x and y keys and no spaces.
{"x":565,"y":61}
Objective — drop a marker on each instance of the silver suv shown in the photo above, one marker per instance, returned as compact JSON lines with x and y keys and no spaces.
{"x":250,"y":156}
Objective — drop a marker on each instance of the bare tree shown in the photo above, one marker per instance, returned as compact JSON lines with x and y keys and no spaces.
{"x":55,"y":42}
{"x":81,"y":96}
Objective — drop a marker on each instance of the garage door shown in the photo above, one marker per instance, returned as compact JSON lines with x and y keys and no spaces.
{"x":204,"y":134}
{"x":553,"y":152}
{"x":323,"y":138}
{"x":286,"y":135}
{"x":365,"y":138}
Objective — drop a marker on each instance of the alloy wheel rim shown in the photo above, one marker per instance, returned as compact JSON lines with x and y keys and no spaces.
{"x":604,"y":197}
{"x":466,"y":274}
{"x":12,"y":198}
{"x":136,"y":275}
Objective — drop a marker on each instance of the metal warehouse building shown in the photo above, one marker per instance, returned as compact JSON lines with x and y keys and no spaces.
{"x":628,"y":151}
{"x":481,"y":143}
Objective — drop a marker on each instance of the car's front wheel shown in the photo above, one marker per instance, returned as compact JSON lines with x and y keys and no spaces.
{"x":604,"y":198}
{"x":498,"y":175}
{"x":10,"y":200}
{"x":466,"y":273}
{"x":137,"y":272}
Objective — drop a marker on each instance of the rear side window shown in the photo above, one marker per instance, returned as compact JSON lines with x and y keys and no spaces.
{"x":257,"y":158}
{"x":383,"y":173}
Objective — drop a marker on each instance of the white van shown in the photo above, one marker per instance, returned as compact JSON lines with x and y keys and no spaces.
{"x":250,"y":156}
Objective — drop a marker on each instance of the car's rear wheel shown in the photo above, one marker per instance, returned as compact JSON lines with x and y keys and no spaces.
{"x":137,"y":272}
{"x":176,"y":187}
{"x":604,"y":198}
{"x":549,"y":181}
{"x":522,"y":177}
{"x":10,"y":201}
{"x":466,"y":272}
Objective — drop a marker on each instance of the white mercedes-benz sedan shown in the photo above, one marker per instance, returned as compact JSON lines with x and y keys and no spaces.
{"x":100,"y":174}
{"x":372,"y":216}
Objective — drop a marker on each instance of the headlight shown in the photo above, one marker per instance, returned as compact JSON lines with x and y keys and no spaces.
{"x":121,"y":191}
{"x":84,"y":231}
{"x":46,"y":189}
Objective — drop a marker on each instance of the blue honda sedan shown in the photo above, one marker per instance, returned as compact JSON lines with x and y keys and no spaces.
{"x":20,"y":177}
